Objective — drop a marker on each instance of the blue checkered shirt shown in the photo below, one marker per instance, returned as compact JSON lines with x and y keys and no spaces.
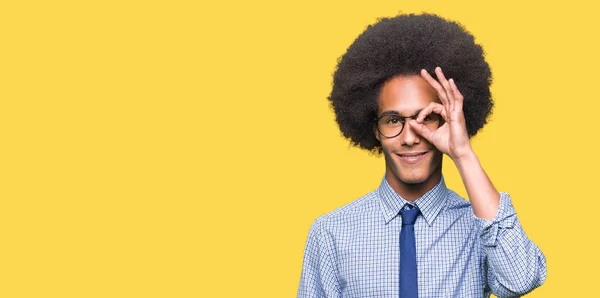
{"x":354,"y":251}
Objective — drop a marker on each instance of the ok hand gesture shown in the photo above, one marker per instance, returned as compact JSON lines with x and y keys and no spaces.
{"x":451,"y":138}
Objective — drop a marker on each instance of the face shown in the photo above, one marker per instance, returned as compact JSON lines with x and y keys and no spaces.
{"x":411,"y":161}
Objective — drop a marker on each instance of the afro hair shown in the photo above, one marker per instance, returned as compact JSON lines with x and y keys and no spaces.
{"x":403,"y":45}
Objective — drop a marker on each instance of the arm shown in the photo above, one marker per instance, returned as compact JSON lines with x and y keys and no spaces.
{"x":318,"y":278}
{"x":515,"y":265}
{"x":483,"y":195}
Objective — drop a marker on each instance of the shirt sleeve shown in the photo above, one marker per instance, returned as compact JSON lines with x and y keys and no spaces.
{"x":319,"y":277}
{"x":514,"y":264}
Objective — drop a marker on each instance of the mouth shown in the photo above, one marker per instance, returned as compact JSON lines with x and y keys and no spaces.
{"x":412,"y":157}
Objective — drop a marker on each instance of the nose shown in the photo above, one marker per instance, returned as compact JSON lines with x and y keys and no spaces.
{"x":409,"y":137}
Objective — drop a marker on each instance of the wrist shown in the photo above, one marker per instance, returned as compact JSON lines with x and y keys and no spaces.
{"x":465,"y":159}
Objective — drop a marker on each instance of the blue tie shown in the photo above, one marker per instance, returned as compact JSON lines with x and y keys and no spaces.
{"x":408,"y":253}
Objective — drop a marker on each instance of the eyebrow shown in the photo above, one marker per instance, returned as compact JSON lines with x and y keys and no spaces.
{"x":396,"y":113}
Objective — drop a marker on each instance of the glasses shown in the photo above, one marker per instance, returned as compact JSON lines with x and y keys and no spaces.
{"x":392,"y":125}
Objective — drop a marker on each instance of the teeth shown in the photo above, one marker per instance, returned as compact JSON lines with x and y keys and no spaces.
{"x":412,"y":155}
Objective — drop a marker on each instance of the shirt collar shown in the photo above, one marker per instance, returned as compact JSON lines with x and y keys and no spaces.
{"x":430,"y":203}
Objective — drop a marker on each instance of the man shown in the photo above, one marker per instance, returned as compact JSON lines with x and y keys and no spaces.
{"x":413,"y":237}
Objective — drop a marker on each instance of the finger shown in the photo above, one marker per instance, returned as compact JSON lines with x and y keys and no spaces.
{"x":422,"y":130}
{"x":432,"y":107}
{"x":459,"y":99}
{"x":447,"y":89}
{"x":436,"y":85}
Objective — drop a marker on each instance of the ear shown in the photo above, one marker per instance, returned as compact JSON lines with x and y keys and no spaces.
{"x":376,"y":132}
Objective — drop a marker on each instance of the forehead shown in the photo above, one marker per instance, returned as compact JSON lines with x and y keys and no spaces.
{"x":406,"y":95}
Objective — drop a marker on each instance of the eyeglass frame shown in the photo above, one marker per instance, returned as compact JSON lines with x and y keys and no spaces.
{"x":402,"y":120}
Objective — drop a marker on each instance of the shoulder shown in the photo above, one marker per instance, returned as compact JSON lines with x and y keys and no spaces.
{"x":357,"y":210}
{"x":455,"y":202}
{"x":458,"y":207}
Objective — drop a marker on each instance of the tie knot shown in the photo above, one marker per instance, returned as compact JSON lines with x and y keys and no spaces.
{"x":409,"y":216}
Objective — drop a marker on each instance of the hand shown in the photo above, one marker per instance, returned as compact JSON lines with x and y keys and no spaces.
{"x":451,"y":138}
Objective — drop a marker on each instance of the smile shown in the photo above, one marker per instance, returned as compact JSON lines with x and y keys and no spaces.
{"x":412,"y":158}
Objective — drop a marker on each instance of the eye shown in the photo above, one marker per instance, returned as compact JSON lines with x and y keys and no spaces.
{"x":431,"y":118}
{"x":393,"y":120}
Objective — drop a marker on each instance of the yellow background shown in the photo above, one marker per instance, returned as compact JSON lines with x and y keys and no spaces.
{"x":182,"y":149}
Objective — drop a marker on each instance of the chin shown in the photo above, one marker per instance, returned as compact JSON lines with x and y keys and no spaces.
{"x":414,"y":179}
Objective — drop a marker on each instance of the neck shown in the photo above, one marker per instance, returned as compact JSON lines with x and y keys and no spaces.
{"x":413,"y":191}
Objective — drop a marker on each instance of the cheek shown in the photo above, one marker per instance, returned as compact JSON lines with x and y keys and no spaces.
{"x":385,"y":146}
{"x":387,"y":155}
{"x":389,"y":143}
{"x":436,"y":159}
